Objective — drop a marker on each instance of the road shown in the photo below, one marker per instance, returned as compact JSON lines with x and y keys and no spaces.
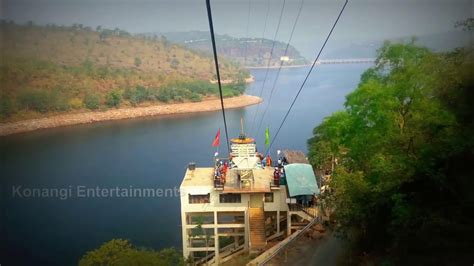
{"x":304,"y":251}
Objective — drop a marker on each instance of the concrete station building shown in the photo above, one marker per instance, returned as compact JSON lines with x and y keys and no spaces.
{"x":238,"y":205}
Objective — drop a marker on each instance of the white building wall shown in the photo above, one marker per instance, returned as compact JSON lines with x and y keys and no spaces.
{"x":278,"y":204}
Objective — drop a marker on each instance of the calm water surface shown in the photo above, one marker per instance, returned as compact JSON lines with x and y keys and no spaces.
{"x":142,"y":153}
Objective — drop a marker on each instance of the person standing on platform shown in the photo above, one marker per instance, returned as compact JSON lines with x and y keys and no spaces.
{"x":269,"y":161}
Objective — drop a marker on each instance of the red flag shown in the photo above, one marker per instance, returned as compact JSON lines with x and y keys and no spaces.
{"x":216,"y":141}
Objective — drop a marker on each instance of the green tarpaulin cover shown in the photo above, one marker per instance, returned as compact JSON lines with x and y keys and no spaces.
{"x":300,"y":179}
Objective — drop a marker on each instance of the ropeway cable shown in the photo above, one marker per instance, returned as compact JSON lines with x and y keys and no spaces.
{"x":213,"y":39}
{"x":279,"y":68}
{"x":268,"y":63}
{"x":306,"y":78}
{"x":266,"y":20}
{"x":247,"y":33}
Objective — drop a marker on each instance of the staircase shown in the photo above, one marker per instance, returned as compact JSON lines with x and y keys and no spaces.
{"x":257,"y":229}
{"x":303,"y":215}
{"x":306,"y":213}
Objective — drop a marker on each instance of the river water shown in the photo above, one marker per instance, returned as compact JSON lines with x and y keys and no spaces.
{"x":139,"y":153}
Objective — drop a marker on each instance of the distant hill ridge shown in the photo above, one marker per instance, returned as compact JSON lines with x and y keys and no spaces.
{"x":108,"y":47}
{"x":253,"y":52}
{"x":442,"y":41}
{"x":55,"y":68}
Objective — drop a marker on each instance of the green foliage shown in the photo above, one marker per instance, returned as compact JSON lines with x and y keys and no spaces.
{"x":174,"y":63}
{"x":467,"y":24}
{"x":42,"y":101}
{"x":92,"y":101}
{"x":113,"y":99}
{"x":76,"y":59}
{"x":231,"y":90}
{"x":199,"y":232}
{"x":138,"y":61}
{"x":76,"y":103}
{"x":58,"y":101}
{"x":194,"y":97}
{"x":121,"y":252}
{"x":398,"y":187}
{"x":194,"y":91}
{"x":36,"y":100}
{"x":138,"y":94}
{"x":6,"y":106}
{"x":60,"y":98}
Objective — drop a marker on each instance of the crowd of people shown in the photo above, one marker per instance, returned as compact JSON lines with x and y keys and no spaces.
{"x":220,"y":171}
{"x":222,"y":168}
{"x":279,"y":171}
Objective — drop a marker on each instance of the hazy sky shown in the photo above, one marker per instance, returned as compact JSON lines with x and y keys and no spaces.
{"x":363,"y":20}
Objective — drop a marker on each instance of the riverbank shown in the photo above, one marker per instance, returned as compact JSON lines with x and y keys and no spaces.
{"x":125,"y":113}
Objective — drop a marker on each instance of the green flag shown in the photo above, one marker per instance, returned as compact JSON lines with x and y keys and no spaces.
{"x":267,"y":136}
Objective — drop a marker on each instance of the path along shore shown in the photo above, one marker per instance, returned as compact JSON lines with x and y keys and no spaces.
{"x":125,"y":113}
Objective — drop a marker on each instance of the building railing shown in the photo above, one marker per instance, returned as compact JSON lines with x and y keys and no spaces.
{"x":275,"y":184}
{"x":310,"y":210}
{"x":218,"y":184}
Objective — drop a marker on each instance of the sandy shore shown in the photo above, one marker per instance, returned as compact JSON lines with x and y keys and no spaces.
{"x":124,"y":113}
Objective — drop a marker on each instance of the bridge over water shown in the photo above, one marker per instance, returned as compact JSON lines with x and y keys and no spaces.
{"x":346,"y":61}
{"x":324,"y":62}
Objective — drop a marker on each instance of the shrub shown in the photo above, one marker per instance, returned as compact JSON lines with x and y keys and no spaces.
{"x":76,"y":103}
{"x":35,"y":100}
{"x":92,"y":101}
{"x":6,"y":106}
{"x":195,"y":97}
{"x":113,"y":99}
{"x":138,"y":95}
{"x":121,"y":252}
{"x":141,"y":94}
{"x":178,"y":98}
{"x":174,"y":63}
{"x":163,"y":95}
{"x":138,"y":61}
{"x":57,"y":101}
{"x":103,"y":72}
{"x":60,"y":103}
{"x":127,"y":93}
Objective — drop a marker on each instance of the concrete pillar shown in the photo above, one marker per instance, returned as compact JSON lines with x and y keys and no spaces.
{"x":288,"y":223}
{"x":184,"y":234}
{"x":278,"y":221}
{"x":247,"y":231}
{"x":216,"y":240}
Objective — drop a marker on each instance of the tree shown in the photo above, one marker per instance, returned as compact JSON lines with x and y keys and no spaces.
{"x":466,"y":25}
{"x":36,"y":100}
{"x":92,"y":101}
{"x":201,"y":233}
{"x":113,"y":99}
{"x":138,"y":61}
{"x":174,"y":63}
{"x":195,"y":97}
{"x":121,"y":252}
{"x":6,"y":106}
{"x":399,"y":189}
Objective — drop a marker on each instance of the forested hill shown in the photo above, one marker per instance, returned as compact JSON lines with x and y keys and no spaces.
{"x":247,"y":51}
{"x":443,"y":41}
{"x":403,"y":151}
{"x":59,"y":68}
